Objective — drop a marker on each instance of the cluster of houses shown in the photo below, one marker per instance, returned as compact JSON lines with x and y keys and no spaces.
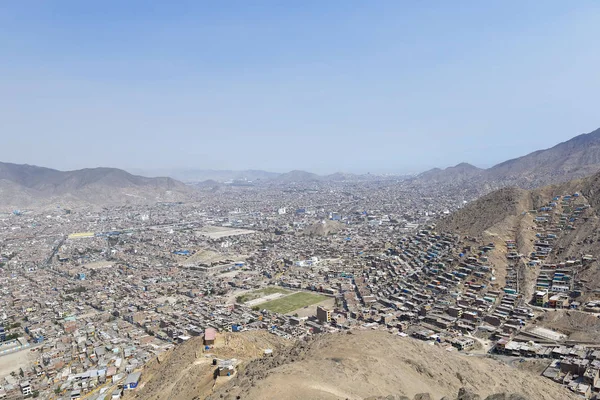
{"x":92,"y":308}
{"x":575,"y":366}
{"x":556,"y":284}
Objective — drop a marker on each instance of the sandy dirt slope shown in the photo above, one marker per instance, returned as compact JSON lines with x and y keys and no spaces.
{"x":579,"y":326}
{"x":376,"y":363}
{"x":186,"y":372}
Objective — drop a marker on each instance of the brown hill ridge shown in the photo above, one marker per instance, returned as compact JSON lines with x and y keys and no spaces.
{"x":458,"y":173}
{"x":488,"y":211}
{"x":29,"y":186}
{"x":364,"y":364}
{"x":323,"y":228}
{"x":376,"y":364}
{"x":575,"y":158}
{"x":186,"y":372}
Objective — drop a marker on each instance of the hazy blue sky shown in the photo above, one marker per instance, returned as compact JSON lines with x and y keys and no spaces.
{"x":379,"y":86}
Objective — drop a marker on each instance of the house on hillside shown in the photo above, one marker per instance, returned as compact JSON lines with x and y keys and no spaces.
{"x":132,"y":380}
{"x":210,"y":335}
{"x":463,"y":343}
{"x":226,"y":368}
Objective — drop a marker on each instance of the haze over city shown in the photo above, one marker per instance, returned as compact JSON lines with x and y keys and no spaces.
{"x":329,"y":200}
{"x":390,"y":86}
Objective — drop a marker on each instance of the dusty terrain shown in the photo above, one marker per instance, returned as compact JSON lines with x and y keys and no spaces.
{"x":323,"y":228}
{"x":376,"y":363}
{"x":209,"y":257}
{"x":186,"y":372}
{"x":576,"y":325}
{"x":218,"y":232}
{"x":13,"y":361}
{"x":361,"y":365}
{"x":487,"y":212}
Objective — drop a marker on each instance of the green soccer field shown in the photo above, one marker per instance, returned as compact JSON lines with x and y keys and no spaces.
{"x":292,"y":302}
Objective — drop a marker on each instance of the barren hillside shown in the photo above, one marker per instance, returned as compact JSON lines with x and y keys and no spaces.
{"x":297,"y":176}
{"x":576,"y":158}
{"x":578,"y":326}
{"x":323,"y":228}
{"x":30,"y":186}
{"x":186,"y":372}
{"x":487,"y":212}
{"x":374,"y":363}
{"x":456,"y":174}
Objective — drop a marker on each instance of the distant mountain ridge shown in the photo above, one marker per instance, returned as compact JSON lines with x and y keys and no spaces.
{"x":298,"y":176}
{"x":201,"y":175}
{"x":458,"y":172}
{"x":575,"y":158}
{"x":210,"y":176}
{"x":29,"y":185}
